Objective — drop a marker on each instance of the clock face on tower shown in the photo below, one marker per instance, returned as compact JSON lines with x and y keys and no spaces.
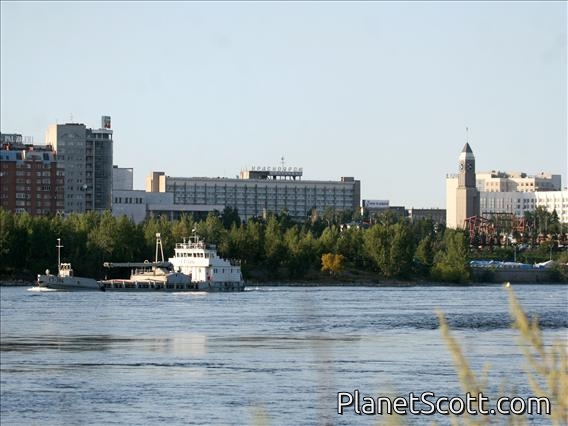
{"x":461,"y":166}
{"x":469,"y":166}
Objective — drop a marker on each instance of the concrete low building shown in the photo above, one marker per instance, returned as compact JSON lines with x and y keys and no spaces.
{"x":515,"y":203}
{"x":519,"y":203}
{"x":436,"y":215}
{"x":554,"y":201}
{"x":496,"y":181}
{"x":139,"y":205}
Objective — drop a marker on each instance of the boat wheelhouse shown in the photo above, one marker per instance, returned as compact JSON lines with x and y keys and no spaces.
{"x":208,"y":271}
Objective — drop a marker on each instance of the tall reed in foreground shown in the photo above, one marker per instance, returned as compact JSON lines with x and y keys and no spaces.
{"x":546,"y":368}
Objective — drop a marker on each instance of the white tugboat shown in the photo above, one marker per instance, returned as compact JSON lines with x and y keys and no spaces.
{"x":194,"y":267}
{"x":149,"y":276}
{"x":208,"y":271}
{"x":65,"y":279}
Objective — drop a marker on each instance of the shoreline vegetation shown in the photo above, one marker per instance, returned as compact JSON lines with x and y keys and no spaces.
{"x":335,"y":249}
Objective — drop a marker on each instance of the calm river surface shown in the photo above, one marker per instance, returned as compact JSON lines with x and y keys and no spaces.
{"x":270,"y":355}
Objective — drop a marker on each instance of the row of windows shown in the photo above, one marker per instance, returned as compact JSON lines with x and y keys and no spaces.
{"x":128,"y":200}
{"x":28,"y":165}
{"x":503,"y":200}
{"x":252,"y":198}
{"x":27,"y":196}
{"x":273,"y":203}
{"x":99,"y":136}
{"x":38,"y":203}
{"x":205,"y":255}
{"x":27,"y":203}
{"x":268,"y":194}
{"x":37,"y":174}
{"x":171,"y":186}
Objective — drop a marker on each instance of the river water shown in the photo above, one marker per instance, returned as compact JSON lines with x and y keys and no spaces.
{"x":269,"y":355}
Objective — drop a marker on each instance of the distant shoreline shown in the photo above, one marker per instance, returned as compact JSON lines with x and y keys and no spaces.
{"x":385,"y":284}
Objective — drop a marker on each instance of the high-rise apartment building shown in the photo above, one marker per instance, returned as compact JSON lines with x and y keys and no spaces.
{"x":30,"y":179}
{"x":86,"y":156}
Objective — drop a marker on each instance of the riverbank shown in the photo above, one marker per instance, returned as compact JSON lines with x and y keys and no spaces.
{"x":339,"y":284}
{"x":355,"y":278}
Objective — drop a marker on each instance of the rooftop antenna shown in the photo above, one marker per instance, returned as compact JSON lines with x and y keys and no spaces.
{"x":282,"y":161}
{"x":467,"y":134}
{"x":71,"y":118}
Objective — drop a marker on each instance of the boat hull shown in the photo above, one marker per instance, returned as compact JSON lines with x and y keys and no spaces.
{"x":157,"y":286}
{"x":216,"y":286}
{"x":146,"y":286}
{"x":68,"y":283}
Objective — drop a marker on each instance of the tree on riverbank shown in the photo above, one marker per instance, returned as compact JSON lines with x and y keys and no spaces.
{"x":269,"y":248}
{"x":451,"y":263}
{"x":332,"y":263}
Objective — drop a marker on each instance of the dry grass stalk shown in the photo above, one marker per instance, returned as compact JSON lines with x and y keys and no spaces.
{"x":546,"y":368}
{"x":467,"y":378}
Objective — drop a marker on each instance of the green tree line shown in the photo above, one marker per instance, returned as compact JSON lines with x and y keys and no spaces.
{"x":272,"y":248}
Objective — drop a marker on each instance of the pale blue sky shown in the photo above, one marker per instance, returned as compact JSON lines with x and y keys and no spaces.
{"x":379,"y":91}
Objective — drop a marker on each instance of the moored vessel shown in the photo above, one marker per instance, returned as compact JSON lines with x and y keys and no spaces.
{"x":208,"y":271}
{"x":65,"y":278}
{"x":149,"y":276}
{"x":195,"y":266}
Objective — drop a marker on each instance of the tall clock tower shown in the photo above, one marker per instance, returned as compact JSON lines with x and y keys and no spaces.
{"x":467,"y":195}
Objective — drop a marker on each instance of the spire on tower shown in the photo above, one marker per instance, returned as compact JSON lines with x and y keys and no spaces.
{"x":466,"y":147}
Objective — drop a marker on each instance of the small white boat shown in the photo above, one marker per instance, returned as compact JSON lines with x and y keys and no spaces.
{"x":65,"y":279}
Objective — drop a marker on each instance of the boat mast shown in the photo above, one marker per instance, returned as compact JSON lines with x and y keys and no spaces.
{"x":159,"y":244}
{"x":59,"y":254}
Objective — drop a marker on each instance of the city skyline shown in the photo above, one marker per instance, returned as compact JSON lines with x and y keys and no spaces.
{"x":382,"y":92}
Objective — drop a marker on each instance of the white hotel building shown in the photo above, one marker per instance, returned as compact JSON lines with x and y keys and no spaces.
{"x":256,"y":191}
